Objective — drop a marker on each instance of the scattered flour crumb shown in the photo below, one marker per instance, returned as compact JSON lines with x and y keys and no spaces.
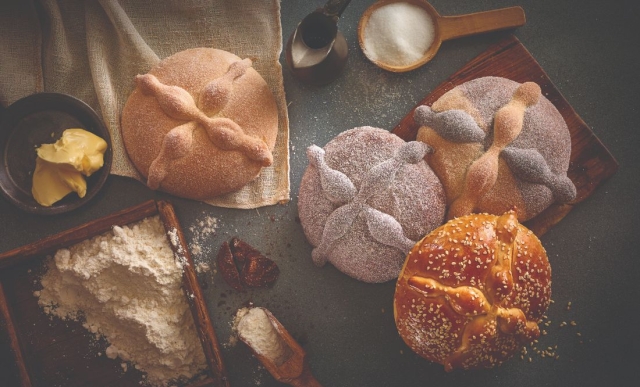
{"x":202,"y":267}
{"x":202,"y":231}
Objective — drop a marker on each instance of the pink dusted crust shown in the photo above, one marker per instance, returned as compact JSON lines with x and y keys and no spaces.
{"x":206,"y":171}
{"x":415,"y":199}
{"x":543,"y":131}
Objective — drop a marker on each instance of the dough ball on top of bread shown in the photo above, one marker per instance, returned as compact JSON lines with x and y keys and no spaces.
{"x":472,"y":292}
{"x":498,"y":145}
{"x":365,"y":199}
{"x":200,"y":124}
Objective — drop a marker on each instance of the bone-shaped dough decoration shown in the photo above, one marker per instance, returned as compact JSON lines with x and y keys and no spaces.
{"x":452,"y":125}
{"x":339,"y":189}
{"x":529,"y":165}
{"x":483,"y":172}
{"x":488,"y":316}
{"x":178,"y":104}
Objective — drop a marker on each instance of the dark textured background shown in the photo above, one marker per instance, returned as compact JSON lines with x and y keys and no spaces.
{"x":591,"y":51}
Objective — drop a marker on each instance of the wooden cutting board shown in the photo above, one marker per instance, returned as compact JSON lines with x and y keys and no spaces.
{"x":591,"y":164}
{"x":51,"y":352}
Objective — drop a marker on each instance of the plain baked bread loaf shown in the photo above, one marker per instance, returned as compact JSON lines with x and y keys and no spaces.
{"x":471,"y":293}
{"x":200,"y":124}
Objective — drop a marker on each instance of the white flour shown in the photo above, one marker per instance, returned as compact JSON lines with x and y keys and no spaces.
{"x":255,"y":328}
{"x":126,"y":285}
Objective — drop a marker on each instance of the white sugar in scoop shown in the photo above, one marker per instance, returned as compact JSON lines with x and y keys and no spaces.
{"x":398,"y":34}
{"x":402,"y":35}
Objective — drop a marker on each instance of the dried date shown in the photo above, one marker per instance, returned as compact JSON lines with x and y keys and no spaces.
{"x":242,"y":265}
{"x":259,"y":271}
{"x":228,"y":268}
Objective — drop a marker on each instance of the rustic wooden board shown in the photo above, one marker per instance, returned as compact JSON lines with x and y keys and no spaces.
{"x":591,"y":164}
{"x":50,"y":352}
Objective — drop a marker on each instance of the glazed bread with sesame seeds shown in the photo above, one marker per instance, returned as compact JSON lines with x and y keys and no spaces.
{"x":200,"y":124}
{"x":472,"y":292}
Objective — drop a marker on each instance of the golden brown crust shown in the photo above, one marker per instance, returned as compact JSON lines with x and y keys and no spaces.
{"x":204,"y":170}
{"x":472,"y":291}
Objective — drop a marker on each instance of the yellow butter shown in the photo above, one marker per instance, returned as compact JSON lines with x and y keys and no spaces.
{"x":60,"y":167}
{"x":52,"y":182}
{"x":78,"y":148}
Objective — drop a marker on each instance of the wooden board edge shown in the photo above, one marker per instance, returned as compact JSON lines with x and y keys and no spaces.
{"x":77,"y":234}
{"x":206,"y":382}
{"x":14,"y":341}
{"x":194,"y":295}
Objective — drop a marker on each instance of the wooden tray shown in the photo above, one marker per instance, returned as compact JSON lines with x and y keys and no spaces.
{"x":49,"y":352}
{"x":591,"y":164}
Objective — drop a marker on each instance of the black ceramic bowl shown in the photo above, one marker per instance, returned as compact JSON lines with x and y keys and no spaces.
{"x":38,"y":119}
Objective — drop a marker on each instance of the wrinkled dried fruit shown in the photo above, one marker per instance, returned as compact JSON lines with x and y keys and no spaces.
{"x":241,"y":250}
{"x":242,"y":265}
{"x":228,"y":267}
{"x":259,"y":271}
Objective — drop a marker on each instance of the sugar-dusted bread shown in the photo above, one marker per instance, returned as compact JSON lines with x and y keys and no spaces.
{"x":472,"y":292}
{"x":365,"y":199}
{"x":498,"y":145}
{"x":200,"y":124}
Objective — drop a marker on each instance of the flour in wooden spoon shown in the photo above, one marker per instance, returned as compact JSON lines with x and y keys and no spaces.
{"x":126,"y":286}
{"x":255,"y":328}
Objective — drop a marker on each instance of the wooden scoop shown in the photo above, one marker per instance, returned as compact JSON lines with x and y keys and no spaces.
{"x":446,"y":27}
{"x":295,"y":370}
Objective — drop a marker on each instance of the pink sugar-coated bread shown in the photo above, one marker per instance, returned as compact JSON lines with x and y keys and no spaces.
{"x":200,"y":124}
{"x":472,"y":292}
{"x":498,"y":145}
{"x":365,"y":199}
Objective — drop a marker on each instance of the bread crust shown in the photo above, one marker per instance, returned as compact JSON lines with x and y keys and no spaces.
{"x":525,"y":166}
{"x":203,"y":170}
{"x":472,"y":292}
{"x":414,"y":199}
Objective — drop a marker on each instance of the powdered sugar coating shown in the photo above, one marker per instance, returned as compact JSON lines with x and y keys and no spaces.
{"x":413,"y":199}
{"x":530,"y":182}
{"x":452,"y":125}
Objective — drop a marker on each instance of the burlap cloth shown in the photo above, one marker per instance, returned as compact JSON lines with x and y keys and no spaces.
{"x":93,"y":50}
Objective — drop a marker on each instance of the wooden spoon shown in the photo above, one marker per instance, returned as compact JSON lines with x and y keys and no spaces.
{"x":295,"y":370}
{"x":445,"y":27}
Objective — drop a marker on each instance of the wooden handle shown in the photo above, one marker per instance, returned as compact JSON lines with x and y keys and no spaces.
{"x":305,"y":379}
{"x":452,"y":27}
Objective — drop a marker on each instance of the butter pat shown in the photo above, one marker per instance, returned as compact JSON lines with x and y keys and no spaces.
{"x":60,"y":167}
{"x":78,"y":148}
{"x":52,"y":182}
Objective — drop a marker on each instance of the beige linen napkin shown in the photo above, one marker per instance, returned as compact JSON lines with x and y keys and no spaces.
{"x":94,"y":49}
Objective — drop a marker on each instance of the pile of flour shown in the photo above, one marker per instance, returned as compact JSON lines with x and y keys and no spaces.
{"x":126,"y":286}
